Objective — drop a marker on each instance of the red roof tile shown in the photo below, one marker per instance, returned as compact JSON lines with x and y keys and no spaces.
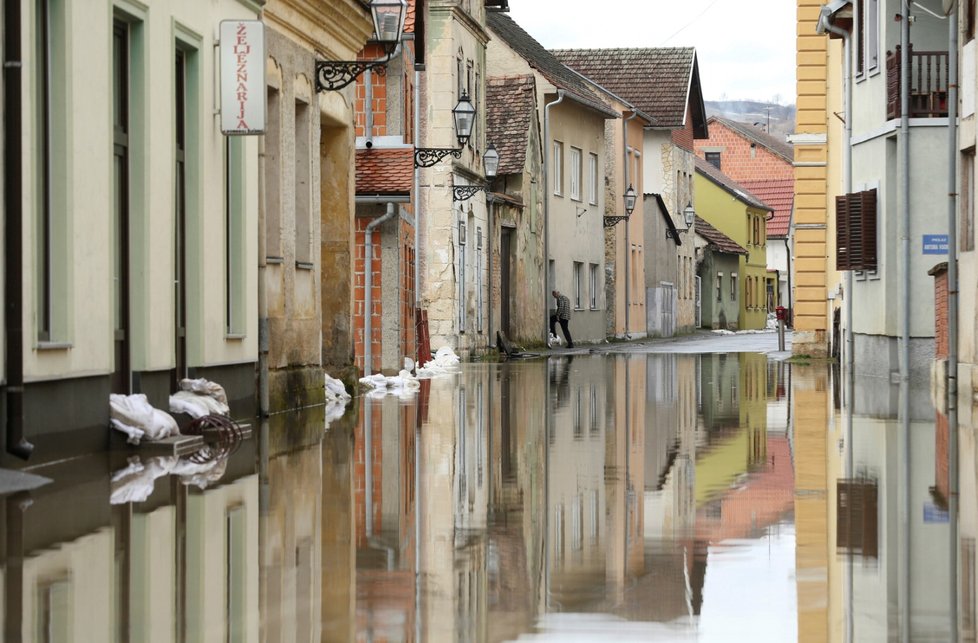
{"x":409,"y":18}
{"x":715,"y":238}
{"x":511,"y":106}
{"x":780,"y":195}
{"x":385,"y":171}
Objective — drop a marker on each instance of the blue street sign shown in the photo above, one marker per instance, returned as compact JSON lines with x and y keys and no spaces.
{"x":935,"y":244}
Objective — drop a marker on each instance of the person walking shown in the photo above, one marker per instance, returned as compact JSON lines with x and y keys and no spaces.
{"x":562,"y":315}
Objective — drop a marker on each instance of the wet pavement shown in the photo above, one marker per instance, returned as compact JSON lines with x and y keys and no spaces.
{"x":701,"y":489}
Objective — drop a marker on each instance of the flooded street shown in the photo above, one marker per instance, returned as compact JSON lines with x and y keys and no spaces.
{"x":629,"y":497}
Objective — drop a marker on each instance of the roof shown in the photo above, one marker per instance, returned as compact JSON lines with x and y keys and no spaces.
{"x":409,"y":18}
{"x":780,"y":195}
{"x":725,"y":182}
{"x":510,"y":114}
{"x":385,"y":171}
{"x":660,"y":81}
{"x":546,"y":63}
{"x":781,"y":148}
{"x":717,"y":239}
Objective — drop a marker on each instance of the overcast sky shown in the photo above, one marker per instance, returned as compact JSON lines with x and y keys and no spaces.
{"x":745,"y":50}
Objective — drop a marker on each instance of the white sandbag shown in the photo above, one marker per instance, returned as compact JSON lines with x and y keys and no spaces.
{"x":136,"y":417}
{"x":195,"y":405}
{"x":335,"y":390}
{"x":202,"y":386}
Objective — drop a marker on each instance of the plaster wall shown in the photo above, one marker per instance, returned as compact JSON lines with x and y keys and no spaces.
{"x":85,"y":345}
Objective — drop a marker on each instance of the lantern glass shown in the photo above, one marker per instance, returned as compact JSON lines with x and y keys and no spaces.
{"x":689,"y":214}
{"x":491,"y":161}
{"x":389,"y":18}
{"x":630,"y":200}
{"x":464,"y":114}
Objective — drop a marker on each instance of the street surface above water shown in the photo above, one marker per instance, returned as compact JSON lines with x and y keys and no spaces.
{"x":698,"y":489}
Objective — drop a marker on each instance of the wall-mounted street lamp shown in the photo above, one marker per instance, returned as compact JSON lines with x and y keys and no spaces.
{"x":630,"y":198}
{"x":689,"y":215}
{"x":491,"y":162}
{"x":463,"y":116}
{"x":388,"y":15}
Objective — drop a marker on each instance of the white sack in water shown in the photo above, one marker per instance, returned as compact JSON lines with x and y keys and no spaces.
{"x":195,"y":405}
{"x":444,"y":362}
{"x":136,"y":417}
{"x":202,"y":386}
{"x":335,"y":390}
{"x":403,"y":384}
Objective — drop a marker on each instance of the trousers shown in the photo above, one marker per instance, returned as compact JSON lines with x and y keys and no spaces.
{"x":563,"y":327}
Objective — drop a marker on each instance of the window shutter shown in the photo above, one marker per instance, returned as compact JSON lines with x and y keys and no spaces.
{"x":842,"y":257}
{"x":867,"y":202}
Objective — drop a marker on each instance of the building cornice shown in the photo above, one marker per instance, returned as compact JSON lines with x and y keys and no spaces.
{"x":337,"y":29}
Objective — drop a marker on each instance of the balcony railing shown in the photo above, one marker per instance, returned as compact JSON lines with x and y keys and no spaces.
{"x":928,"y":84}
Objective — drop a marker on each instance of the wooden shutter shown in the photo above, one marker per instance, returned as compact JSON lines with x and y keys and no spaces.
{"x":867,"y":208}
{"x":842,"y":255}
{"x":855,"y":231}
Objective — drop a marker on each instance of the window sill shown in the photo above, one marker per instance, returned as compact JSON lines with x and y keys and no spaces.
{"x":304,"y":265}
{"x":54,"y":346}
{"x":273,"y":260}
{"x":234,"y":337}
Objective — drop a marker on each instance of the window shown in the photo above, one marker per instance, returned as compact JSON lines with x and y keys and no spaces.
{"x":856,"y":231}
{"x":234,"y":215}
{"x":461,"y":276}
{"x":733,"y":286}
{"x":967,"y":199}
{"x":303,"y":186}
{"x":578,"y":285}
{"x":51,"y":154}
{"x":593,"y":285}
{"x":273,"y":176}
{"x":558,"y":168}
{"x":478,"y":278}
{"x":872,"y":34}
{"x":719,"y":286}
{"x":857,"y":510}
{"x":575,"y":174}
{"x":970,"y":20}
{"x":860,"y":44}
{"x":592,"y":179}
{"x":713,"y":158}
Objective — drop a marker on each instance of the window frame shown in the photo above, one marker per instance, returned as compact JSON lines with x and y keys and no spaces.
{"x":719,"y":287}
{"x":576,"y":160}
{"x":558,"y":168}
{"x":593,"y":285}
{"x":592,"y":170}
{"x":578,"y":285}
{"x":715,"y":157}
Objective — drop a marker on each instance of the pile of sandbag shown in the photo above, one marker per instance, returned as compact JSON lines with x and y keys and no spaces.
{"x":445,"y":362}
{"x":200,"y":397}
{"x":136,"y":481}
{"x":336,"y":399}
{"x":136,"y":417}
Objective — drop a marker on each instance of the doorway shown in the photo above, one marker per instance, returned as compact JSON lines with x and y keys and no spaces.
{"x":505,"y":272}
{"x":121,"y":375}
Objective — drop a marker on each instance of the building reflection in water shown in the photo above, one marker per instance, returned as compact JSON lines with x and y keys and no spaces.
{"x":661,"y":496}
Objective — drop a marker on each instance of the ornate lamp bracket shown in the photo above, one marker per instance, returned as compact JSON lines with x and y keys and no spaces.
{"x":332,"y":75}
{"x":466,"y":192}
{"x":430,"y":156}
{"x":610,"y":222}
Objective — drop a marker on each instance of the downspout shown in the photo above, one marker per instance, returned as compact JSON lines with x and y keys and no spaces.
{"x":263,"y":326}
{"x":628,"y":247}
{"x":952,"y":309}
{"x":368,"y":298}
{"x":791,"y":306}
{"x":491,"y":206}
{"x":368,"y":104}
{"x":417,"y":194}
{"x":904,"y":172}
{"x":16,"y":443}
{"x":546,"y":211}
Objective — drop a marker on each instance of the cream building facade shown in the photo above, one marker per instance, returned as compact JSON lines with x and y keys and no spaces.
{"x":137,"y":218}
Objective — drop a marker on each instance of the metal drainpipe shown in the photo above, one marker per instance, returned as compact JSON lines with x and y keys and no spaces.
{"x":417,"y":195}
{"x":368,"y":299}
{"x":546,"y":211}
{"x":904,"y":163}
{"x":263,"y":326}
{"x":491,"y":206}
{"x":16,"y":443}
{"x":952,"y":309}
{"x":628,"y":247}
{"x":368,"y":108}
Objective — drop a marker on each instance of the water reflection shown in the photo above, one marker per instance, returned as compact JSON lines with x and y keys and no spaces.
{"x":662,"y":497}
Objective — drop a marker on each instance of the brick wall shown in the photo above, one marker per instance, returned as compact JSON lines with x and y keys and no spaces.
{"x":940,"y":311}
{"x":379,"y":87}
{"x":739,"y":160}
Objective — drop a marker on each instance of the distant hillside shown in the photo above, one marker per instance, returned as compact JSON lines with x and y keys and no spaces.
{"x":757,"y":113}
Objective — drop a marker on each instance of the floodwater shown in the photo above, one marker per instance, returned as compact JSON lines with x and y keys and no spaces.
{"x":643,"y":497}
